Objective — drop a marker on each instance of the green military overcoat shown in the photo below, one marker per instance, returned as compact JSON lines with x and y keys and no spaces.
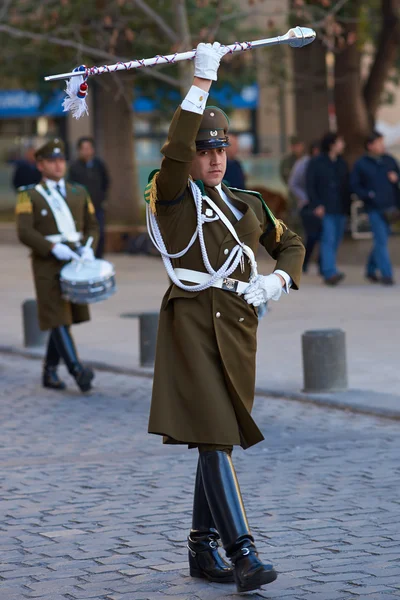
{"x":35,"y":221}
{"x":204,"y":375}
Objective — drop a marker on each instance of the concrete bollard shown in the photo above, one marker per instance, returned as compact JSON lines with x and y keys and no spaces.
{"x":148,"y":326}
{"x":324,"y":360}
{"x":32,"y":334}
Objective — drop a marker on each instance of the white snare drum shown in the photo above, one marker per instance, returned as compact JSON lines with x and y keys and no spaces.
{"x":87,"y":282}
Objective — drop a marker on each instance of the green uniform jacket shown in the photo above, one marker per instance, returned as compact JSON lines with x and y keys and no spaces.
{"x":204,"y":376}
{"x":35,"y":221}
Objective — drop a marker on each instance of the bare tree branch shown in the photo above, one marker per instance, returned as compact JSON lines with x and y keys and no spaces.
{"x":4,"y":9}
{"x":185,"y":67}
{"x":83,"y":48}
{"x":329,"y":13}
{"x":170,"y":33}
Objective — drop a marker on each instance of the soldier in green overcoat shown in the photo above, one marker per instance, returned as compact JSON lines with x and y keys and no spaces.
{"x":55,"y":219}
{"x":204,"y":375}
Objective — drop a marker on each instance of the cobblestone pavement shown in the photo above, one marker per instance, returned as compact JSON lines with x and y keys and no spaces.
{"x":93,"y":507}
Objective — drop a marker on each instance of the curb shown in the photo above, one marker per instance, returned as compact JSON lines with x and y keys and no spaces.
{"x":338,"y":401}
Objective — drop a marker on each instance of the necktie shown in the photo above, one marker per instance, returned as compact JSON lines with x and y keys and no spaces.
{"x":58,"y":188}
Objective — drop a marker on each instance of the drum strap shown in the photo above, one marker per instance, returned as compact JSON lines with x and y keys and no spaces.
{"x":61,"y":213}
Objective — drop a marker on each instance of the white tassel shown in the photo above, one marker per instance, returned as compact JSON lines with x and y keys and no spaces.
{"x":76,"y":91}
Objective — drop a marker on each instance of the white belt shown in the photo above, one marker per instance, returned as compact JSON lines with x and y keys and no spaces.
{"x":59,"y":238}
{"x":225,"y":283}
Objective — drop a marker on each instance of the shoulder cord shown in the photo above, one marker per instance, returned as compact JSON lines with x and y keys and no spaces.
{"x":235,"y":258}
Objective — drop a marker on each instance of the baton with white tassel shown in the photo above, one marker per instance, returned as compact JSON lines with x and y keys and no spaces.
{"x":77,"y":80}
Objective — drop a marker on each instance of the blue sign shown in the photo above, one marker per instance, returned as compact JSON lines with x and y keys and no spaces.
{"x":16,"y":104}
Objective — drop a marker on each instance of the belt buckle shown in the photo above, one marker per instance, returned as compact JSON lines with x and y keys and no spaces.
{"x":230,"y":285}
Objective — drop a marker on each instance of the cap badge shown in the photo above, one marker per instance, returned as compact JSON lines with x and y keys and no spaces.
{"x":212,"y":114}
{"x":214,"y":133}
{"x":56,"y":150}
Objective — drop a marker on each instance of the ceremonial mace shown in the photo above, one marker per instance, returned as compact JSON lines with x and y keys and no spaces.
{"x":77,"y":86}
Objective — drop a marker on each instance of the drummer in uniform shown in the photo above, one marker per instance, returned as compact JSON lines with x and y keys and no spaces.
{"x":204,"y":375}
{"x":55,"y":219}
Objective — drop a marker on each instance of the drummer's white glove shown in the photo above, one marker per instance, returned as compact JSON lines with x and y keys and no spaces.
{"x":263,"y":288}
{"x":207,"y":59}
{"x":87,"y":253}
{"x":64,"y":252}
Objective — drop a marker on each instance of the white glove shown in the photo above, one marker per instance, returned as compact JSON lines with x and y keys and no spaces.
{"x":87,"y":253}
{"x":264,"y":288}
{"x":64,"y":252}
{"x":207,"y":59}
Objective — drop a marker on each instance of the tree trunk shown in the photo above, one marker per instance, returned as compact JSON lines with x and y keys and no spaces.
{"x":310,"y":92}
{"x":115,"y":140}
{"x":351,"y":111}
{"x":356,"y":107}
{"x":385,"y":56}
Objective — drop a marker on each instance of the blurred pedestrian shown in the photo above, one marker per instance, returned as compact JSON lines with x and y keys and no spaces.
{"x":287,"y":162}
{"x":26,"y":172}
{"x":234,"y":174}
{"x":328,"y":191}
{"x":298,"y":188}
{"x":375,"y":180}
{"x":53,"y":219}
{"x":91,"y":172}
{"x":285,"y":168}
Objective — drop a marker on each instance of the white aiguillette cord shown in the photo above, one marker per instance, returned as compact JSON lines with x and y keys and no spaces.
{"x":246,"y":249}
{"x":234,"y":259}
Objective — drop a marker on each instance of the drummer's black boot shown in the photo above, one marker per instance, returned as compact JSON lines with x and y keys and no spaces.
{"x":66,"y":347}
{"x":225,"y":501}
{"x":205,"y":561}
{"x":50,"y":377}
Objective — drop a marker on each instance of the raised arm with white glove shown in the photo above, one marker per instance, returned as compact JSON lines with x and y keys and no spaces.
{"x":264,"y":288}
{"x":207,"y":59}
{"x":64,"y":252}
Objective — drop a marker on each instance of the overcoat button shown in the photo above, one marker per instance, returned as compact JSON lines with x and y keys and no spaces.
{"x":226,"y":251}
{"x":241,"y":319}
{"x":218,"y":314}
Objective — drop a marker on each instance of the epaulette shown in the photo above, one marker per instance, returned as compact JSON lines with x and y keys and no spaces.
{"x":24,"y":203}
{"x":23,"y":188}
{"x":277,"y":223}
{"x":77,"y":185}
{"x":77,"y":188}
{"x":150,"y":191}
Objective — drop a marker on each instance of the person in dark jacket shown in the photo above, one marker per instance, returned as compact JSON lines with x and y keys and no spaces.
{"x":328,"y":191}
{"x":91,"y":172}
{"x":26,"y":172}
{"x":234,"y":174}
{"x":375,"y":180}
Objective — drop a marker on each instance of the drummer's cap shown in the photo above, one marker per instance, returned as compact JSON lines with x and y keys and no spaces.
{"x":53,"y":149}
{"x":213,"y":129}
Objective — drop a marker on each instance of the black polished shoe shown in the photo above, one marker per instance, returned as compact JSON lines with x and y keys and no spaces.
{"x":249,"y":572}
{"x":51,"y":380}
{"x":205,"y":562}
{"x":83,"y":377}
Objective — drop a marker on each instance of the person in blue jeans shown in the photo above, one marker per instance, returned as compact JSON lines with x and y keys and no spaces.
{"x":328,"y":190}
{"x":375,"y":180}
